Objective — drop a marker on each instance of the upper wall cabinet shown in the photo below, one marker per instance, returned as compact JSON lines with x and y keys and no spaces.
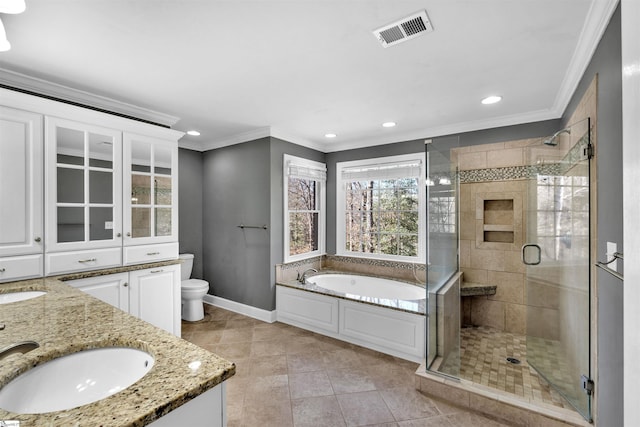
{"x":83,"y":186}
{"x":21,"y":213}
{"x":20,"y":182}
{"x":151,"y":190}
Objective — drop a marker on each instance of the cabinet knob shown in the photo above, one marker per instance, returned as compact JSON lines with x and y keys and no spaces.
{"x":2,"y":270}
{"x":128,"y":234}
{"x":119,"y":235}
{"x":38,"y":239}
{"x":125,"y":284}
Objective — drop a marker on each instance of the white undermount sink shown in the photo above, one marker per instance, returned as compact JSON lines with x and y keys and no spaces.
{"x":75,"y":379}
{"x":19,"y":296}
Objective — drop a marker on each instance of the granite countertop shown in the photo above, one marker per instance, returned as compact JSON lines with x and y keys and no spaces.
{"x":409,"y":306}
{"x":66,"y":320}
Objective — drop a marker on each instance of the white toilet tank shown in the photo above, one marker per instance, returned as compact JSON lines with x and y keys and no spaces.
{"x":186,"y":267}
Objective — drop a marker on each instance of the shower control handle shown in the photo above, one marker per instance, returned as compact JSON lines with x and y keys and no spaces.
{"x":538,"y":252}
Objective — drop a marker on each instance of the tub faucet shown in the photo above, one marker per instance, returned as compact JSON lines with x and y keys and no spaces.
{"x":302,"y":278}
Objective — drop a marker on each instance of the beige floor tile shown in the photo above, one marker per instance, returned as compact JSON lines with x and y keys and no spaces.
{"x":310,"y":384}
{"x":204,"y":337}
{"x":407,"y":403}
{"x":267,"y":415}
{"x":384,"y":376}
{"x":342,"y":358}
{"x":263,"y":390}
{"x":267,"y":365}
{"x":305,"y":362}
{"x":233,"y":351}
{"x":268,"y":348}
{"x":366,"y":408}
{"x":287,"y":376}
{"x":237,"y":335}
{"x":350,"y":380}
{"x":437,"y":421}
{"x":317,"y":411}
{"x":303,"y":344}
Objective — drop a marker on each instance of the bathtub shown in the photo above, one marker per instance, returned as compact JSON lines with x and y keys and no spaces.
{"x":380,"y":314}
{"x":366,"y":286}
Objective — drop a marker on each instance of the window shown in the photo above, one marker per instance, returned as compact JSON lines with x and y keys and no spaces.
{"x":380,"y":208}
{"x":304,"y":205}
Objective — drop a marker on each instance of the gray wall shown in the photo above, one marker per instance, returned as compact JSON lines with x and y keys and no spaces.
{"x":243,"y":183}
{"x":190,"y":206}
{"x":236,"y":191}
{"x":607,"y":64}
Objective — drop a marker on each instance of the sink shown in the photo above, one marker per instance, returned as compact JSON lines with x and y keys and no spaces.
{"x":19,"y":296}
{"x":75,"y":379}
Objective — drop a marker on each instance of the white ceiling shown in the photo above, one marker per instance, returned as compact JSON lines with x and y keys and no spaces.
{"x":297,"y":69}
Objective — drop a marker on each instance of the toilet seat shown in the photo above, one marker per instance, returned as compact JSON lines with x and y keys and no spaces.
{"x":194,"y":284}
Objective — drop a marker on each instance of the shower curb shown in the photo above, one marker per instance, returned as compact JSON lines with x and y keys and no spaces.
{"x":509,"y":408}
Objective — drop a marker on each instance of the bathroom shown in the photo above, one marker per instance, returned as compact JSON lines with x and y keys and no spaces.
{"x":242,"y":261}
{"x":239,"y":263}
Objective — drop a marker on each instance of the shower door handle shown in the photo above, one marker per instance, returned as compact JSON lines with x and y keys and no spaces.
{"x":537,"y":258}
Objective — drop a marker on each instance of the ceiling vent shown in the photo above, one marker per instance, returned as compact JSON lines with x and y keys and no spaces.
{"x":405,"y":29}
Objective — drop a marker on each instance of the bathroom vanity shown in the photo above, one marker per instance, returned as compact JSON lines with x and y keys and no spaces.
{"x":185,"y":386}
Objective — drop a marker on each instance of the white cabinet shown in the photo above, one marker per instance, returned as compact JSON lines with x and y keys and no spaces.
{"x":83,"y":195}
{"x":151,"y":190}
{"x":68,"y":186}
{"x":21,"y":211}
{"x":152,"y":294}
{"x":112,"y":289}
{"x":155,"y":296}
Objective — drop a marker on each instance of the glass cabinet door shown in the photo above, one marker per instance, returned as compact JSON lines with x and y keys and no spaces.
{"x":150,"y":178}
{"x":83,"y":186}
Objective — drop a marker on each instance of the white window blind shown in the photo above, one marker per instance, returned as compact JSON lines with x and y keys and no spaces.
{"x":383,"y":171}
{"x":307,"y":171}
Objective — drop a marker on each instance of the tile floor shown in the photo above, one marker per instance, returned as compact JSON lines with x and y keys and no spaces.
{"x":286,"y":376}
{"x":483,"y":354}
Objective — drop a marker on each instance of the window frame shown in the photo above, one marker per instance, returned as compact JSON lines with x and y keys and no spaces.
{"x":321,"y":194}
{"x":341,"y":206}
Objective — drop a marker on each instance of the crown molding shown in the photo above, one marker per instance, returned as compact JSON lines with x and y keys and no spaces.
{"x":432,"y":132}
{"x":596,"y":22}
{"x":35,"y":85}
{"x":239,"y":138}
{"x":295,"y":139}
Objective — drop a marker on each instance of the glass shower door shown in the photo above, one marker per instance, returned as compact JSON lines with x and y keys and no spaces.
{"x":557,"y":258}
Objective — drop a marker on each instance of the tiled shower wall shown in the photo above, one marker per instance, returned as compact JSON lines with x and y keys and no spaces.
{"x":500,"y":171}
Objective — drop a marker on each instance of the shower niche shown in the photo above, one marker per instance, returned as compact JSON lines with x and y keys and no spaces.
{"x":498,"y":220}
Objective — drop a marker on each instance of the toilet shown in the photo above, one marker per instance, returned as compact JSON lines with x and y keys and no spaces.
{"x":192,"y":291}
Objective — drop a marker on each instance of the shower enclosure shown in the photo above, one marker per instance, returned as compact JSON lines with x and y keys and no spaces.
{"x":557,"y":255}
{"x":536,"y":215}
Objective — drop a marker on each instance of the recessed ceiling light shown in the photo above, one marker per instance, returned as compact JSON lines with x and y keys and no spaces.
{"x":330,"y":135}
{"x":389,"y":124}
{"x":193,"y":133}
{"x":491,"y":99}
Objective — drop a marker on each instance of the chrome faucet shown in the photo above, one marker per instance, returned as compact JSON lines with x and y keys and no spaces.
{"x":302,"y":278}
{"x":20,"y":347}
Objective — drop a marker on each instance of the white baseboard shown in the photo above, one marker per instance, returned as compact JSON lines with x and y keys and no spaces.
{"x":236,"y":307}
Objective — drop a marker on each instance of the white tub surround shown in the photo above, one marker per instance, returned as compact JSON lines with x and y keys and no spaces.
{"x":379,"y":322}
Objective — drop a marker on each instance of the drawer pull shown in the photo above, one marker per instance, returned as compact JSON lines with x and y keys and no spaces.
{"x":38,"y":239}
{"x":153,"y":253}
{"x":87,"y":260}
{"x":2,"y":270}
{"x":156,"y":271}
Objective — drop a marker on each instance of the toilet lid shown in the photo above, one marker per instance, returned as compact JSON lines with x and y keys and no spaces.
{"x":194,"y":284}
